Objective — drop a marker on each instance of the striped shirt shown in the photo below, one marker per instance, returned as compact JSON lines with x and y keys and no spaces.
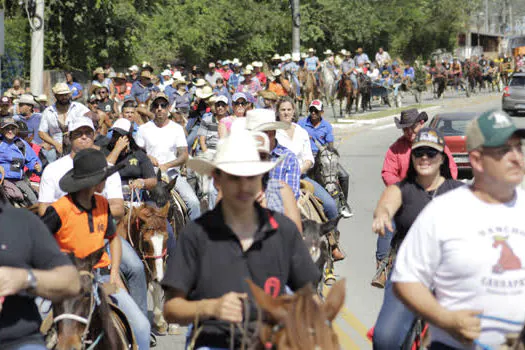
{"x":288,"y":170}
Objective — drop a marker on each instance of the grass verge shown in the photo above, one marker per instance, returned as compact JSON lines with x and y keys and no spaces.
{"x":386,"y":113}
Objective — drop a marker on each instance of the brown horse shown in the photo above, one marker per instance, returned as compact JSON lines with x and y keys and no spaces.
{"x":309,"y":85}
{"x":298,"y":321}
{"x":81,"y":322}
{"x":346,"y":91}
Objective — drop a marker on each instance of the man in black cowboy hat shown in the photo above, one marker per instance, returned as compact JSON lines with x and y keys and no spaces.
{"x":81,"y":221}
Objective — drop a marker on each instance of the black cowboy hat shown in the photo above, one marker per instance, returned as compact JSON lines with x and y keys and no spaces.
{"x":89,"y":169}
{"x":409,"y":117}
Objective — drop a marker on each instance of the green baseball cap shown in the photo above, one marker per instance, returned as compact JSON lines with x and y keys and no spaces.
{"x":491,"y":129}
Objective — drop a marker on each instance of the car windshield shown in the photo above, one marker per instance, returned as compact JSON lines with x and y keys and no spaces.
{"x":517,"y":81}
{"x":451,"y":127}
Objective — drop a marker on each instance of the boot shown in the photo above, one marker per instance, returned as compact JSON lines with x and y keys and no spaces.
{"x":379,"y":279}
{"x":337,"y":254}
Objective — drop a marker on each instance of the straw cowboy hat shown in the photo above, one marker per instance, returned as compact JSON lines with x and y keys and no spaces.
{"x":204,"y":93}
{"x":276,"y":57}
{"x":268,"y":95}
{"x":145,"y":74}
{"x":41,"y":98}
{"x":119,"y":76}
{"x":257,"y":64}
{"x":263,"y":120}
{"x":27,"y":99}
{"x":61,"y":89}
{"x":237,"y":155}
{"x":199,"y":83}
{"x":98,"y":70}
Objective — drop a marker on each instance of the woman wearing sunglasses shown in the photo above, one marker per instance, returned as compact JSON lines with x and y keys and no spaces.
{"x":428,"y":176}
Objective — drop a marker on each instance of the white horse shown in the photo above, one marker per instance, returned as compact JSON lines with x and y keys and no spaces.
{"x":328,"y":84}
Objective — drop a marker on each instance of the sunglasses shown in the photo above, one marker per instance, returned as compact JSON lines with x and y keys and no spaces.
{"x":220,"y":104}
{"x":313,"y":110}
{"x":240,"y":104}
{"x":162,"y":105}
{"x":422,"y":151}
{"x":79,"y":133}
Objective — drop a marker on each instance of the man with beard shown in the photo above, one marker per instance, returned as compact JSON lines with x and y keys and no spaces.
{"x":56,"y":120}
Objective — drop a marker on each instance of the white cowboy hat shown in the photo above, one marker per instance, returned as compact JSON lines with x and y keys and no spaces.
{"x":237,"y":155}
{"x":200,"y":82}
{"x":204,"y":93}
{"x":296,"y":58}
{"x":328,"y":52}
{"x":262,"y":140}
{"x":276,"y":72}
{"x":311,"y":50}
{"x":276,"y":57}
{"x":287,"y":57}
{"x":236,"y":62}
{"x":343,"y":52}
{"x":247,"y":71}
{"x":249,"y":67}
{"x":61,"y":89}
{"x":257,"y":64}
{"x":263,"y":120}
{"x":166,"y":72}
{"x":27,"y":99}
{"x":134,"y":68}
{"x":304,"y":55}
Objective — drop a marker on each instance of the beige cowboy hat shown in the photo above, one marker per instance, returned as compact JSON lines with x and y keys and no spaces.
{"x":145,"y":74}
{"x":27,"y":99}
{"x":237,"y":155}
{"x":61,"y":89}
{"x":41,"y":98}
{"x":199,"y":83}
{"x":98,"y":70}
{"x":119,"y":76}
{"x":204,"y":93}
{"x":268,"y":95}
{"x":328,"y":52}
{"x":263,"y":120}
{"x":276,"y":57}
{"x":311,"y":50}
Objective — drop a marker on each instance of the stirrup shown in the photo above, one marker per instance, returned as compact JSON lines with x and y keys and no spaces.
{"x":382,"y":269}
{"x":329,"y":278}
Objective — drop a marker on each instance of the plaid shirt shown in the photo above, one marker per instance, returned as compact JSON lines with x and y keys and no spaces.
{"x":288,"y":169}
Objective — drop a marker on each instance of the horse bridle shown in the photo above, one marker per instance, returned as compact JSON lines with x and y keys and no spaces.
{"x":83,"y":320}
{"x":270,"y":344}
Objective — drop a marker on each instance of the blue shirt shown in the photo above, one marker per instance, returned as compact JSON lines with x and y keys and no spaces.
{"x":141,"y":92}
{"x":234,"y":81}
{"x":311,"y":63}
{"x":75,"y":89}
{"x":33,"y":122}
{"x":288,"y":170}
{"x":322,"y":133}
{"x":409,"y":72}
{"x":13,"y":160}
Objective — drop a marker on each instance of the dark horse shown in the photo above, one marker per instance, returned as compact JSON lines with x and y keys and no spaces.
{"x":346,"y":91}
{"x":365,"y":91}
{"x":298,"y":321}
{"x":81,"y":321}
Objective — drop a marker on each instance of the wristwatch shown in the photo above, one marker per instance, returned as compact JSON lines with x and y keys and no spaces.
{"x":31,"y":280}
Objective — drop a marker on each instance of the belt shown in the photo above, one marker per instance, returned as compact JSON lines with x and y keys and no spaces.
{"x":104,"y":271}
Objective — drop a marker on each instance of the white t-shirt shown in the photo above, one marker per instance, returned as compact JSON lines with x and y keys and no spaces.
{"x":161,"y":143}
{"x":50,"y":191}
{"x":49,"y":121}
{"x":472,"y":254}
{"x":299,"y":144}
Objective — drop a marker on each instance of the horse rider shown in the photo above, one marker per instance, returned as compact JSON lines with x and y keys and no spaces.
{"x":15,"y":155}
{"x":312,"y":63}
{"x":279,"y":85}
{"x":449,"y":270}
{"x":456,"y":72}
{"x":31,"y":265}
{"x":81,"y":221}
{"x":296,"y":139}
{"x":348,"y":67}
{"x":361,"y":57}
{"x":257,"y":243}
{"x":396,"y":165}
{"x":166,"y":146}
{"x":329,"y":63}
{"x":55,"y":121}
{"x":290,"y":69}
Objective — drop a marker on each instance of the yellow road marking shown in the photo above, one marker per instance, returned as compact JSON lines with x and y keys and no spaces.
{"x":344,"y":340}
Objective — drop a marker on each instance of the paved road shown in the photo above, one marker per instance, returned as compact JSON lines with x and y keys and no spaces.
{"x":362,"y":148}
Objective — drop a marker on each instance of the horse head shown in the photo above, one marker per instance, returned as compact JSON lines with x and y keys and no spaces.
{"x":299,"y":321}
{"x":313,"y":234}
{"x":75,"y":316}
{"x":326,"y":161}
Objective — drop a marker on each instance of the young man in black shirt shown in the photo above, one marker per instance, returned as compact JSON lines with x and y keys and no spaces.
{"x":31,"y":264}
{"x":238,"y":240}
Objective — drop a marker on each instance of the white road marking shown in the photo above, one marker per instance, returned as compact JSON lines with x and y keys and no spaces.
{"x":382,"y":127}
{"x":157,"y":239}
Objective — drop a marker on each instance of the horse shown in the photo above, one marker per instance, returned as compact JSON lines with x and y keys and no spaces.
{"x":474,"y":77}
{"x":295,"y":86}
{"x":328,"y":85}
{"x":298,"y":321}
{"x":365,"y":91}
{"x":89,"y":319}
{"x":309,"y":84}
{"x":325,"y":172}
{"x":346,"y":91}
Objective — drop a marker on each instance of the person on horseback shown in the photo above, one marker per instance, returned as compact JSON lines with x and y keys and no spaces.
{"x":81,"y":221}
{"x":458,"y":263}
{"x":15,"y":154}
{"x":348,"y":67}
{"x":291,"y":69}
{"x":456,"y":72}
{"x":31,"y":265}
{"x":257,"y":243}
{"x":166,"y":146}
{"x":312,"y":63}
{"x":428,"y":176}
{"x":279,"y":85}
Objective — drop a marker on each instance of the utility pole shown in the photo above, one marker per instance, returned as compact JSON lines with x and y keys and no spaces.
{"x":37,"y":49}
{"x":2,"y":39}
{"x":296,"y":32}
{"x":486,"y":16}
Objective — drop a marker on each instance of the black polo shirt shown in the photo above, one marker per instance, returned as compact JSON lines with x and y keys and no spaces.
{"x":25,"y":242}
{"x":209,"y":262}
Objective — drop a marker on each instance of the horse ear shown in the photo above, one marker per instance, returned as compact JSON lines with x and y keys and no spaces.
{"x":172,"y":183}
{"x":159,"y":175}
{"x":267,"y":303}
{"x":330,"y":225}
{"x":335,"y":300}
{"x":164,"y":209}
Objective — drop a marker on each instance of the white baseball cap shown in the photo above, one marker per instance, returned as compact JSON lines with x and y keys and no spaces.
{"x":80,"y":122}
{"x":122,"y":124}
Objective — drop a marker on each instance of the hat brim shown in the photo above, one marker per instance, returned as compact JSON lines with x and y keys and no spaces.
{"x":400,"y":125}
{"x":61,"y":92}
{"x":69,"y":184}
{"x":206,"y":167}
{"x":272,"y":126}
{"x":502,"y":137}
{"x":428,"y":144}
{"x":204,"y":96}
{"x":9,"y":123}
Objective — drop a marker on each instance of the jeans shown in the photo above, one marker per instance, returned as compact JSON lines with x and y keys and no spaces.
{"x":329,"y":204}
{"x":393,"y":323}
{"x":30,"y":347}
{"x":190,"y":139}
{"x":187,"y":193}
{"x":24,"y":186}
{"x":133,"y":270}
{"x":384,"y":242}
{"x":353,"y":79}
{"x":50,"y":155}
{"x":137,"y":320}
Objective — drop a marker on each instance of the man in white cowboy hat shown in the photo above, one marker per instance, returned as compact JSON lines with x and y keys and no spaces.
{"x":143,"y":89}
{"x":312,"y":63}
{"x":329,"y":63}
{"x":133,"y":73}
{"x":290,"y":69}
{"x":288,"y":170}
{"x":167,"y":79}
{"x":166,"y":146}
{"x":235,"y":78}
{"x":259,"y":74}
{"x":56,"y":120}
{"x":26,"y":114}
{"x":212,"y":75}
{"x":250,"y":84}
{"x":198,"y":283}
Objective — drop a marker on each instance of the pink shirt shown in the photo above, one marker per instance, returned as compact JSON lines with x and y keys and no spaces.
{"x":397,"y":162}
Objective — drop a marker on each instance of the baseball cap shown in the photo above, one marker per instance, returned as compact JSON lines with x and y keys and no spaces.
{"x":239,"y":95}
{"x":159,"y":96}
{"x":80,"y":122}
{"x":220,"y":98}
{"x":429,"y":137}
{"x":491,"y":129}
{"x":122,"y":125}
{"x":8,"y":121}
{"x":317,"y":104}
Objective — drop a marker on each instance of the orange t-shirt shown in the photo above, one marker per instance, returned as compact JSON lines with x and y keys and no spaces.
{"x":277,"y":88}
{"x":83,"y":232}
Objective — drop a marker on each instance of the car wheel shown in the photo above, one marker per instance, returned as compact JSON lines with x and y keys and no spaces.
{"x":509,"y":112}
